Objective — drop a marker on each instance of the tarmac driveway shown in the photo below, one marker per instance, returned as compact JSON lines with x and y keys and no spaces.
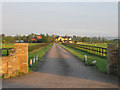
{"x":60,"y":69}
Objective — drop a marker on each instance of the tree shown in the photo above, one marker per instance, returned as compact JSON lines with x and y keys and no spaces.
{"x":29,"y":38}
{"x":85,"y":39}
{"x":99,"y":39}
{"x":104,"y":40}
{"x":3,"y":38}
{"x":77,"y":38}
{"x":18,"y":37}
{"x":94,"y":40}
{"x":9,"y":39}
{"x":3,"y":35}
{"x":24,"y":38}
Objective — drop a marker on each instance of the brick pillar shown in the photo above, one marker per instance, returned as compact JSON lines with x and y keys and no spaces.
{"x":112,"y":59}
{"x":119,"y":59}
{"x":22,"y":55}
{"x":18,"y":59}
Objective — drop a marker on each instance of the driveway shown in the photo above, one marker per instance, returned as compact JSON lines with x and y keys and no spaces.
{"x":60,"y":69}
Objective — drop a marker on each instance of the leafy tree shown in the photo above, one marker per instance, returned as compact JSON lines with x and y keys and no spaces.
{"x":3,"y":38}
{"x":99,"y":39}
{"x":94,"y":40}
{"x":104,"y":40}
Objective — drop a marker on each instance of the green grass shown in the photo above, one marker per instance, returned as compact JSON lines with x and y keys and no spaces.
{"x":7,"y":45}
{"x":40,"y":52}
{"x":101,"y":64}
{"x":32,"y":44}
{"x":11,"y":45}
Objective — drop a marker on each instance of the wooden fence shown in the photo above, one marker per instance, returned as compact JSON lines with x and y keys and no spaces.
{"x":91,"y":49}
{"x":5,"y":51}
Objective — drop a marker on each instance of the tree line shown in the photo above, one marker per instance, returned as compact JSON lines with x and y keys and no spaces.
{"x":91,"y":39}
{"x":27,"y":38}
{"x":46,"y":38}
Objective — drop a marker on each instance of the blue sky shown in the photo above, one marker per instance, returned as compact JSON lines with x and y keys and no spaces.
{"x":86,"y":19}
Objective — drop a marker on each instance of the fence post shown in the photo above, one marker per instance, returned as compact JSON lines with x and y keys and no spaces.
{"x":108,"y":57}
{"x":97,"y":51}
{"x":102,"y":51}
{"x":7,"y":52}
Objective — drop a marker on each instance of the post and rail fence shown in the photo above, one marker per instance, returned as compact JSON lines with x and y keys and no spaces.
{"x":100,"y":51}
{"x":6,"y":51}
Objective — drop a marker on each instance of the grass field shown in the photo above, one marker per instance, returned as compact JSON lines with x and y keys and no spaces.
{"x":40,"y":52}
{"x":11,"y":45}
{"x":101,"y":64}
{"x":8,"y":45}
{"x":104,"y":45}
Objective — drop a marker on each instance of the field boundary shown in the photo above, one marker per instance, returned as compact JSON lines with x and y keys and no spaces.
{"x":100,"y":51}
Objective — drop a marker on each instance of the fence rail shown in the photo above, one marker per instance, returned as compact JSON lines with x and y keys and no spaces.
{"x":91,"y":49}
{"x":5,"y":51}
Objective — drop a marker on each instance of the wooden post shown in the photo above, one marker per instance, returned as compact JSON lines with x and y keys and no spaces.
{"x":97,"y":51}
{"x":102,"y":51}
{"x":7,"y":52}
{"x":108,"y":58}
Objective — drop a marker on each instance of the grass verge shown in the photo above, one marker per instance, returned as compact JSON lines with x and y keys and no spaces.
{"x":40,"y":52}
{"x":101,"y":62}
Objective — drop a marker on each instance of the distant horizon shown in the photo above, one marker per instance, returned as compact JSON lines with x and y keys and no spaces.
{"x":58,"y":35}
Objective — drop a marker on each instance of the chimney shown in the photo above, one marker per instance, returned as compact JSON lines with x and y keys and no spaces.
{"x":67,"y":36}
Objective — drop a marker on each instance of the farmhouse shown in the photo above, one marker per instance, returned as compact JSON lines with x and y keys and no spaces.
{"x":36,"y":39}
{"x":63,"y":39}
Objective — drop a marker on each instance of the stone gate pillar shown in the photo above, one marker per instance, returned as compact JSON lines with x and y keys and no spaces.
{"x":17,"y":60}
{"x":112,"y":59}
{"x":22,"y":56}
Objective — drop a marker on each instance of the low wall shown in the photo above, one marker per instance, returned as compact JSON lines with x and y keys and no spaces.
{"x":17,"y":61}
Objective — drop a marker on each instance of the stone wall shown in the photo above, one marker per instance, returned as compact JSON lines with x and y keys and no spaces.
{"x":17,"y":61}
{"x":4,"y":65}
{"x":119,"y":59}
{"x":112,"y":59}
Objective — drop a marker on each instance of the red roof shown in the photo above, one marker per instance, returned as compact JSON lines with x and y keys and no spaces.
{"x":33,"y":39}
{"x":38,"y":37}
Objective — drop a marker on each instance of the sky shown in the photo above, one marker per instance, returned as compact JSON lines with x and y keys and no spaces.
{"x":61,"y":18}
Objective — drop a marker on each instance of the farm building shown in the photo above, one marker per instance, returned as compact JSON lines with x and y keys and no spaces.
{"x":36,"y":39}
{"x":63,"y":39}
